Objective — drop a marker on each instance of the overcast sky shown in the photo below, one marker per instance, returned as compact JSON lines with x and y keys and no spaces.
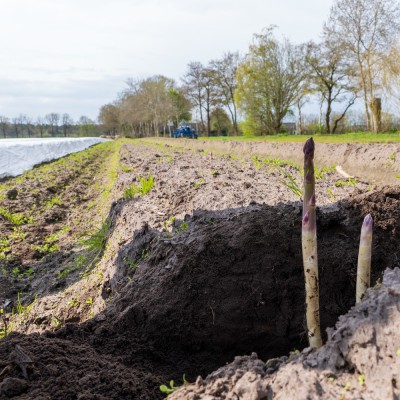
{"x":74,"y":56}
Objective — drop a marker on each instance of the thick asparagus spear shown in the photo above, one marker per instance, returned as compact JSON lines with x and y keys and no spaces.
{"x":309,"y":244}
{"x":364,"y":258}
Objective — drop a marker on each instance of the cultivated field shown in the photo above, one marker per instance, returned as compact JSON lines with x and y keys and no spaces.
{"x":140,"y":261}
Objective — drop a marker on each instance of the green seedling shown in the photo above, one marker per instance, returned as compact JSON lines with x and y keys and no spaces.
{"x":321,"y":173}
{"x":54,"y":201}
{"x":89,"y":301}
{"x":98,"y":240}
{"x":141,"y":189}
{"x":331,"y":194}
{"x":63,"y":274}
{"x":126,"y":169}
{"x":198,"y":183}
{"x":290,"y":182}
{"x":172,"y":388}
{"x":56,"y":322}
{"x":73,"y":303}
{"x":346,"y":182}
{"x":16,"y":219}
{"x":16,"y":273}
{"x":184,"y":226}
{"x":21,"y":309}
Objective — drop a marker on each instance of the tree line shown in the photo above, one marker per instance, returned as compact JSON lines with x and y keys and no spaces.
{"x":51,"y":125}
{"x":356,"y":60}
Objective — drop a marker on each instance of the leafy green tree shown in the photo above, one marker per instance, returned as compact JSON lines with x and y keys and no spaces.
{"x":180,"y":106}
{"x":269,"y":82}
{"x":221,"y":124}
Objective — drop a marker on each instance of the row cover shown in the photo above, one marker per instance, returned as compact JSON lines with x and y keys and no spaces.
{"x":19,"y":155}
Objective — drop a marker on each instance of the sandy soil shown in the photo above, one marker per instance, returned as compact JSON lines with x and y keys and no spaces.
{"x":203,"y":268}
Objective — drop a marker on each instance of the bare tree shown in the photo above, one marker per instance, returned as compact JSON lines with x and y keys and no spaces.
{"x":53,"y":120}
{"x":87,"y":127}
{"x":41,"y":125}
{"x":26,"y":123}
{"x":331,"y":76}
{"x":225,"y":81}
{"x":67,"y":123}
{"x":18,"y":123}
{"x":366,"y":30}
{"x":193,"y":82}
{"x":4,"y":124}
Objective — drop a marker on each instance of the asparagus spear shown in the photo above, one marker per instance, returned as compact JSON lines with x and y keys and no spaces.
{"x":309,"y":244}
{"x":364,"y":258}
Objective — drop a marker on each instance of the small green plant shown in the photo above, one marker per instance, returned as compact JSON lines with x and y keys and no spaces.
{"x":184,"y":226}
{"x":49,"y":245}
{"x":73,"y":303}
{"x":169,"y":222}
{"x":144,"y":187}
{"x":145,"y":253}
{"x":172,"y":388}
{"x":257,"y":162}
{"x":98,"y":240}
{"x":215,"y":173}
{"x":126,"y":169}
{"x":55,"y":322}
{"x":361,"y":379}
{"x":331,"y":194}
{"x":63,"y":274}
{"x":321,"y":173}
{"x":344,"y":391}
{"x":198,"y":183}
{"x":54,"y":201}
{"x":7,"y":327}
{"x":16,"y":219}
{"x":89,"y":301}
{"x":21,"y":309}
{"x":346,"y":182}
{"x":16,"y":273}
{"x":17,"y":234}
{"x":29,"y":272}
{"x":290,"y":182}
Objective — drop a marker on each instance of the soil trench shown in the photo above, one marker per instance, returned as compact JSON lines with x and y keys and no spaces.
{"x":202,"y":268}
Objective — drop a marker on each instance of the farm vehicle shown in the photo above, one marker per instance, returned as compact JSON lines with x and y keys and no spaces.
{"x":184,"y":131}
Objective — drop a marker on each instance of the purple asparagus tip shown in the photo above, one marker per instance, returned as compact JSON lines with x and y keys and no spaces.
{"x":367,"y":224}
{"x":309,"y":147}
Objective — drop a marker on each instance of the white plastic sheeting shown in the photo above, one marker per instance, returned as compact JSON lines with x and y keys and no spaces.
{"x":19,"y":155}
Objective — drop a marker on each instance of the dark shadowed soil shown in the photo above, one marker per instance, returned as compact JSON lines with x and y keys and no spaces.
{"x":205,"y":267}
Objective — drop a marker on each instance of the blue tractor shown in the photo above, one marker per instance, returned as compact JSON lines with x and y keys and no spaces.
{"x":184,"y":131}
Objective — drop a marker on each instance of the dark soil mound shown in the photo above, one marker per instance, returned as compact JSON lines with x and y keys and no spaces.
{"x":361,"y":360}
{"x":234,"y":284}
{"x":229,"y":282}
